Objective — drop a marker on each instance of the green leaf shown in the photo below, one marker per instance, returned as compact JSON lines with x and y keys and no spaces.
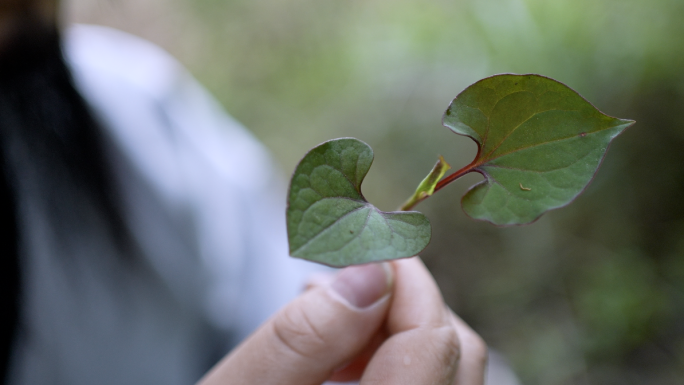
{"x":539,"y":145}
{"x":427,"y":187}
{"x":330,"y":222}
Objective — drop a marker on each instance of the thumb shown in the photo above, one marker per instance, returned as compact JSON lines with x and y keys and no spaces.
{"x":313,"y":335}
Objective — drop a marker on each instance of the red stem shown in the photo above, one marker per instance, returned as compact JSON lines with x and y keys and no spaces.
{"x":452,"y":177}
{"x":461,"y":172}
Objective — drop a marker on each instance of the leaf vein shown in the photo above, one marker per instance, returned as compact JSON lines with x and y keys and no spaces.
{"x":536,"y":171}
{"x":520,"y":124}
{"x":365,"y":205}
{"x":486,"y":162}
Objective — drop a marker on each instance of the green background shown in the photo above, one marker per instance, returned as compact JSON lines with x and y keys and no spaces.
{"x":590,"y":294}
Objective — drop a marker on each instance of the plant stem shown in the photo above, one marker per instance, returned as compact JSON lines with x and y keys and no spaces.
{"x":414,"y":200}
{"x":450,"y":178}
{"x":456,"y":175}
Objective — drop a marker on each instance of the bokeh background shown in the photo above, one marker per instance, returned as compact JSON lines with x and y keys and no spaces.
{"x":590,"y":294}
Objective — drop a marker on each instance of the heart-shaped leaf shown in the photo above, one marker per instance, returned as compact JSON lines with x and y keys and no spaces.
{"x":539,"y":145}
{"x":330,"y":222}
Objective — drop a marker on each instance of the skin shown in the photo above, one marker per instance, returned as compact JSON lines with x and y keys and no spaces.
{"x":377,"y":324}
{"x":406,"y":336}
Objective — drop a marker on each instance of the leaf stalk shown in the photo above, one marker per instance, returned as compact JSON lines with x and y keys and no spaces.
{"x":420,"y":196}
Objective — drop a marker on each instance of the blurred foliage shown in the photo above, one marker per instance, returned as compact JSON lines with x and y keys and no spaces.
{"x":589,"y":294}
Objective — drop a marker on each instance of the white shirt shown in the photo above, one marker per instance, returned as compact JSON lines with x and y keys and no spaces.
{"x":207,"y":212}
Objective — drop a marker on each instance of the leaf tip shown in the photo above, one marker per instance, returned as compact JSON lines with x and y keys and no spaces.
{"x":444,"y":163}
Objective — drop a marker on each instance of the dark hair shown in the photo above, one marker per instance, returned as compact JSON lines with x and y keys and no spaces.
{"x":44,"y":120}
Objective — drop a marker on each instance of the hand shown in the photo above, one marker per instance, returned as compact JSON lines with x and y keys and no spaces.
{"x":380,"y":323}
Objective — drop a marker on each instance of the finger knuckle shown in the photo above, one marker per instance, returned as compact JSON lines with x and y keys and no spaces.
{"x":477,"y":348}
{"x":443,"y":353}
{"x":296,"y":333}
{"x":446,"y":345}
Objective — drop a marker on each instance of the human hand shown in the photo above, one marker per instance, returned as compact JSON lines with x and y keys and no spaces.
{"x":381,"y":323}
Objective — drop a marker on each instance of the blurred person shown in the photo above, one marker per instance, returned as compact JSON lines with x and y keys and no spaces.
{"x":143,"y":237}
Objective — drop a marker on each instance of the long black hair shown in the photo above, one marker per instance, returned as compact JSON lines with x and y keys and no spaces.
{"x":43,"y":117}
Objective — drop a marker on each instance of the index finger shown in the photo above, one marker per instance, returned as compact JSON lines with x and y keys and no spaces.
{"x":423,"y":347}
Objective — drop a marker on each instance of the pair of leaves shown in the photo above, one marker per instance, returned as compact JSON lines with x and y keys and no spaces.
{"x":539,"y":145}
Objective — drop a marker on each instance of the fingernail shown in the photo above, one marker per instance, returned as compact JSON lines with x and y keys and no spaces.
{"x":364,"y":285}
